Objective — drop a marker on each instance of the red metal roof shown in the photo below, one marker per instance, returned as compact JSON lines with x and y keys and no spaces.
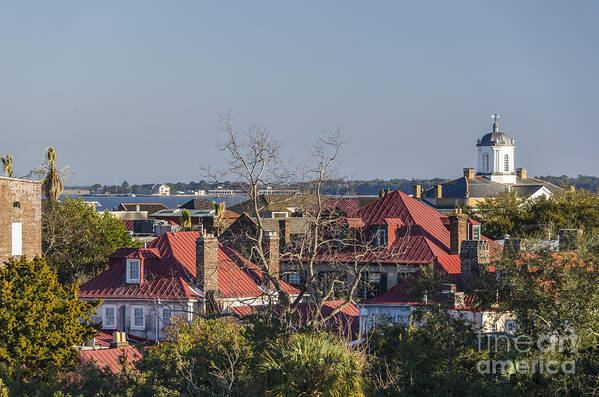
{"x":110,"y":358}
{"x":172,"y":272}
{"x":422,"y":233}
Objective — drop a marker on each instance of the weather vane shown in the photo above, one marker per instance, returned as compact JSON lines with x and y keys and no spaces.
{"x":495,"y":117}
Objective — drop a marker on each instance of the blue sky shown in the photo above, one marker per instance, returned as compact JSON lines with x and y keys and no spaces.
{"x":133,"y":90}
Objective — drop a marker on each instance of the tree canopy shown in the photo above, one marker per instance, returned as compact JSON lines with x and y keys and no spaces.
{"x":77,"y":240}
{"x":40,"y":319}
{"x":511,"y":214}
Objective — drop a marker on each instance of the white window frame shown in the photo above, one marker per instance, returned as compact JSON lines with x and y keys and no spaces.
{"x":105,"y":324}
{"x":143,"y":316}
{"x":131,"y":262}
{"x":17,"y":239}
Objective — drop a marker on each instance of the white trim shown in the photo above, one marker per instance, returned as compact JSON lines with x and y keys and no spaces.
{"x":104,"y":316}
{"x":141,"y":327}
{"x":17,"y":239}
{"x":131,"y":280}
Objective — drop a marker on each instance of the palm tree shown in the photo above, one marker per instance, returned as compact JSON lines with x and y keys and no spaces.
{"x":185,"y":220}
{"x":220,"y":217}
{"x":7,"y":162}
{"x":315,"y":364}
{"x":52,"y":185}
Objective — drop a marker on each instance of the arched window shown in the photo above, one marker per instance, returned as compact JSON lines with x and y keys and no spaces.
{"x":486,"y":162}
{"x":506,"y":162}
{"x":16,"y":204}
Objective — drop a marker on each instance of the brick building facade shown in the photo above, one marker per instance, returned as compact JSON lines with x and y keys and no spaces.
{"x":20,"y":218}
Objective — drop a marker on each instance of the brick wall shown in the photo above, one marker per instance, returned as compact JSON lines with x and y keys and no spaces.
{"x":20,"y":201}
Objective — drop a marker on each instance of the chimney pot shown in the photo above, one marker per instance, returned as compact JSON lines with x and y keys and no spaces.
{"x":417,"y":192}
{"x":469,"y":173}
{"x":522,"y":173}
{"x":438,"y":191}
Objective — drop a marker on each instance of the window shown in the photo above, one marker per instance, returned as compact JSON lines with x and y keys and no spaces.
{"x":486,"y":162}
{"x":510,"y":326}
{"x":109,"y":318}
{"x":381,"y":237}
{"x":17,"y":239}
{"x":506,"y":162}
{"x":16,"y":204}
{"x":494,"y":327}
{"x":166,"y":315}
{"x":371,"y":284}
{"x":293,"y":279}
{"x":475,"y":232}
{"x":133,"y":271}
{"x":138,"y":320}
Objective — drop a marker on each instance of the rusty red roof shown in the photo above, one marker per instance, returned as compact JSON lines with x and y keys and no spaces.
{"x":419,"y":235}
{"x":110,"y":358}
{"x":171,"y":272}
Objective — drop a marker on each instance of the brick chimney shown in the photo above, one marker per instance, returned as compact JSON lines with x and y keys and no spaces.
{"x":438,"y":191}
{"x":469,"y":172}
{"x":271,"y":251}
{"x":417,"y":192}
{"x":207,"y":262}
{"x":119,"y":339}
{"x":521,"y":173}
{"x":458,"y":232}
{"x":474,"y":259}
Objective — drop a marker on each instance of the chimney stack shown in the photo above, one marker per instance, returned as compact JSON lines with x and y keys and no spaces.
{"x":521,"y":173}
{"x":438,"y":191}
{"x":469,"y":172}
{"x":207,"y":262}
{"x":458,"y":224}
{"x":271,"y":251}
{"x":417,"y":192}
{"x":474,"y":259}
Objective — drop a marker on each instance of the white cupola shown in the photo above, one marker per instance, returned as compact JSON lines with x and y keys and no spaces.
{"x":496,"y":155}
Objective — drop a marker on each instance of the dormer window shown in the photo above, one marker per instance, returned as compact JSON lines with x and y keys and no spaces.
{"x":381,"y":237}
{"x":133,"y":271}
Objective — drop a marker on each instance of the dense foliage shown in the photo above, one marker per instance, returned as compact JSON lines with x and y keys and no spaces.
{"x":554,"y":296}
{"x":511,"y":214}
{"x":437,"y":357}
{"x":40,"y":320}
{"x":77,"y":240}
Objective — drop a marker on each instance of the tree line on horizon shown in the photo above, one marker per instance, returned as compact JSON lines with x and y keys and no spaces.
{"x":359,"y":187}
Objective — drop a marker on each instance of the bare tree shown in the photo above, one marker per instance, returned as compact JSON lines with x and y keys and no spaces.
{"x":329,"y":257}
